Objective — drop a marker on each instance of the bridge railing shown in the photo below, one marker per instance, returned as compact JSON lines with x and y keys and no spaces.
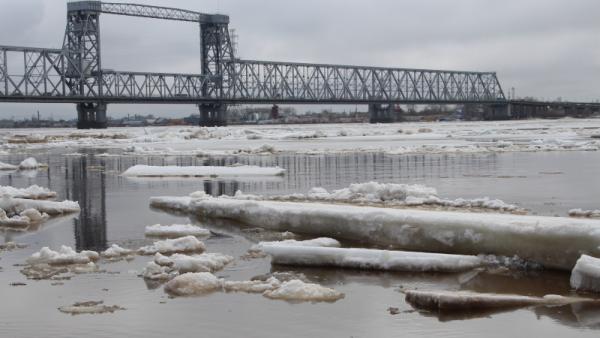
{"x":315,"y":83}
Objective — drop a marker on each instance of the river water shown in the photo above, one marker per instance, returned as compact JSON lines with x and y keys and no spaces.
{"x":115,"y":210}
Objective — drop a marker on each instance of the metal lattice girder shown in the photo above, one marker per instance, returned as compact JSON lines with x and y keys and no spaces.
{"x":31,"y":72}
{"x":314,"y":83}
{"x":153,"y":86}
{"x":155,"y":12}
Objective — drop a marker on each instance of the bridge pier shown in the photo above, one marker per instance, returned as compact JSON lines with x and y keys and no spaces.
{"x":91,"y":115}
{"x":213,"y":114}
{"x":379,"y":113}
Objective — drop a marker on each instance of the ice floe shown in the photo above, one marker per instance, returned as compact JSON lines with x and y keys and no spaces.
{"x":18,"y":205}
{"x":7,"y":166}
{"x":64,"y":256}
{"x":316,"y":242}
{"x":188,"y":244}
{"x":191,"y":284}
{"x":555,"y":242}
{"x":297,"y":290}
{"x":29,"y":163}
{"x":206,"y":262}
{"x":156,"y":272}
{"x":586,"y":274}
{"x":204,"y":171}
{"x":9,"y":246}
{"x":176,"y":230}
{"x":91,"y":307}
{"x":201,"y":283}
{"x":471,"y":301}
{"x":115,"y":251}
{"x":33,"y":192}
{"x":371,"y":259}
{"x":584,"y":213}
{"x":390,"y":194}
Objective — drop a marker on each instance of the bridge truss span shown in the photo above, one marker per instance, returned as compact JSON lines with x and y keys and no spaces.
{"x":255,"y":81}
{"x":76,"y":74}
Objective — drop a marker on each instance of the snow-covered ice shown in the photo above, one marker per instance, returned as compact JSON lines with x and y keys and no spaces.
{"x":176,"y":230}
{"x":584,"y":213}
{"x":253,"y":286}
{"x":115,"y":251}
{"x":389,"y":194}
{"x":204,"y":171}
{"x":29,"y":163}
{"x":371,"y":259}
{"x":191,"y":284}
{"x":7,"y":166}
{"x":188,"y":244}
{"x":471,"y":301}
{"x":92,"y":307}
{"x":64,"y":256}
{"x":316,"y":242}
{"x":297,"y":290}
{"x":18,"y":205}
{"x":397,"y":138}
{"x":32,"y":192}
{"x":555,"y":242}
{"x":156,"y":272}
{"x":206,"y":262}
{"x":586,"y":274}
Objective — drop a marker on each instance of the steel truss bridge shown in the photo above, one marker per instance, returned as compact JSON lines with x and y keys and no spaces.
{"x":74,"y":74}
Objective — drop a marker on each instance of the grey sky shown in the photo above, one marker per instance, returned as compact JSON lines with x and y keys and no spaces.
{"x":544,"y":48}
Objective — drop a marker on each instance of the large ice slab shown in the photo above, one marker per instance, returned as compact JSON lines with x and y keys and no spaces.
{"x":204,"y":171}
{"x":64,"y":256}
{"x":471,"y":301}
{"x":554,"y":242}
{"x":371,"y":259}
{"x":586,"y":274}
{"x":188,"y":244}
{"x":176,"y":230}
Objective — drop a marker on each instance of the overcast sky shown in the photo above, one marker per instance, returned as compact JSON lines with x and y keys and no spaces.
{"x":543,"y":48}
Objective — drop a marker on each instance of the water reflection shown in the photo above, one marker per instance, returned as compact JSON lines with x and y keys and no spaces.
{"x":86,"y":183}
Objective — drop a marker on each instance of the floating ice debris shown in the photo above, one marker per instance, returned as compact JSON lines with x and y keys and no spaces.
{"x":153,"y":271}
{"x":9,"y":246}
{"x":64,"y":256}
{"x":205,"y":171}
{"x":253,"y":286}
{"x":176,"y":230}
{"x":555,"y":242}
{"x":32,"y":192}
{"x":586,"y":274}
{"x":390,"y":194}
{"x":584,"y":213}
{"x":18,"y":205}
{"x":171,"y":203}
{"x":188,"y":244}
{"x":6,"y":166}
{"x":91,"y":307}
{"x":34,"y":215}
{"x":206,"y":262}
{"x":45,"y":271}
{"x":115,"y":251}
{"x":371,"y":259}
{"x":297,"y":290}
{"x":471,"y":301}
{"x":29,"y":163}
{"x":16,"y":221}
{"x":190,"y":284}
{"x":317,"y":242}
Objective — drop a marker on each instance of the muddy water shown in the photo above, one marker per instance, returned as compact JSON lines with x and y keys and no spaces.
{"x":115,"y":210}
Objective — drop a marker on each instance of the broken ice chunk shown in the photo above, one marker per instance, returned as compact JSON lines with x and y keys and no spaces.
{"x":586,"y":274}
{"x":176,"y":230}
{"x":64,"y":256}
{"x":170,"y":246}
{"x":191,"y":284}
{"x":297,"y":290}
